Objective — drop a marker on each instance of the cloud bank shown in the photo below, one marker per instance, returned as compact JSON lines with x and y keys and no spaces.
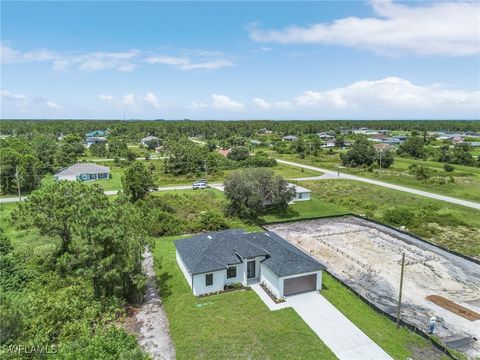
{"x":433,"y":28}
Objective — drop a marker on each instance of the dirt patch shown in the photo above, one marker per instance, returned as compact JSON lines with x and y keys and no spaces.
{"x":148,"y":322}
{"x":367,"y":256}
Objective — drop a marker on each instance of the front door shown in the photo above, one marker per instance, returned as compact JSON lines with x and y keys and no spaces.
{"x":251,"y":269}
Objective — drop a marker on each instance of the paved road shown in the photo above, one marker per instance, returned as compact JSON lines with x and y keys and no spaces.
{"x":337,"y":332}
{"x":115,"y":192}
{"x":333,"y":174}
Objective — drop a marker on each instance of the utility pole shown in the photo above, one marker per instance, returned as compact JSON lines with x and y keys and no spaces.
{"x":18,"y":184}
{"x":400,"y":292}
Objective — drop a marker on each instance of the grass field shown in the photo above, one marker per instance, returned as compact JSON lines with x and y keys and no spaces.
{"x":466,"y":183}
{"x":304,"y":210}
{"x":235,"y":325}
{"x":453,"y":226}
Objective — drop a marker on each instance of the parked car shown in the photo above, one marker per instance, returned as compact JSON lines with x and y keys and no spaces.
{"x":200,"y":184}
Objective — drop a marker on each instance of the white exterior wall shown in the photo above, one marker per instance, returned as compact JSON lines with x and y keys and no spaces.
{"x":185,"y":272}
{"x":319,"y":279}
{"x":199,"y":287}
{"x":271,"y":282}
{"x":240,"y":275}
{"x":305,"y":196}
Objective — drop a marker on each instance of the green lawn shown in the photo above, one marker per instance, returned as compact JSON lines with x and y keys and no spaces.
{"x":312,"y":208}
{"x":398,"y":343}
{"x":453,"y":226}
{"x":466,"y":183}
{"x":236,"y":325}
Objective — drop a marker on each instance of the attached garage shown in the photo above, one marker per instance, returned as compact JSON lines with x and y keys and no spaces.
{"x":299,"y":284}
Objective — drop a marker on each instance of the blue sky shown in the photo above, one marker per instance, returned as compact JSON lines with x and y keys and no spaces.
{"x":241,"y":60}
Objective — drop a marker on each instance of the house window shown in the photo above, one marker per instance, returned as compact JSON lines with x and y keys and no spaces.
{"x":300,"y":195}
{"x":231,"y":272}
{"x":208,"y":279}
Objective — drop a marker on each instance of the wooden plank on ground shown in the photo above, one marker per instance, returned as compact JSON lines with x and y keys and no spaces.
{"x":454,"y":307}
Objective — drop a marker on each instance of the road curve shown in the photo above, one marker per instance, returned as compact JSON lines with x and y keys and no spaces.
{"x":335,"y":174}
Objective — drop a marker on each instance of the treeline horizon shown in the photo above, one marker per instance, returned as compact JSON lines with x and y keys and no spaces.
{"x":136,"y":129}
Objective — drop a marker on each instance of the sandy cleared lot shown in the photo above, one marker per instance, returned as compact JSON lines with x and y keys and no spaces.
{"x":367,"y":257}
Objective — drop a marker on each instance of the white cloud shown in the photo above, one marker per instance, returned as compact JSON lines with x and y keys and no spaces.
{"x":390,"y":93}
{"x":52,"y":105}
{"x":185,"y":63}
{"x":223,"y":102}
{"x":129,"y":99}
{"x":444,"y":28}
{"x":262,"y":103}
{"x":93,"y":61}
{"x":21,"y":104}
{"x":151,"y":99}
{"x":198,"y":106}
{"x":104,"y":97}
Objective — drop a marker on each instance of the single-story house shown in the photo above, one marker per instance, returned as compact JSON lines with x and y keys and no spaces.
{"x":212,"y":261}
{"x":391,"y":141}
{"x":89,"y":141}
{"x":382,"y":146}
{"x":290,"y":138}
{"x":83,"y":172}
{"x":301,"y":194}
{"x":324,"y":135}
{"x":255,"y":142}
{"x":96,"y":133}
{"x":146,"y":140}
{"x":473,"y":143}
{"x":328,"y":144}
{"x":377,"y":137}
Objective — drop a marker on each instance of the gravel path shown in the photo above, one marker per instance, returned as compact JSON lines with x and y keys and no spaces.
{"x":150,"y":323}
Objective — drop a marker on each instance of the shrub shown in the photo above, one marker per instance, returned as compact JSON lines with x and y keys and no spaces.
{"x":399,"y":216}
{"x":448,"y":167}
{"x":213,"y":220}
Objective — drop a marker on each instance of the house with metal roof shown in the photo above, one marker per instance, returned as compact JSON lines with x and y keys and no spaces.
{"x":214,"y":260}
{"x":83,"y":172}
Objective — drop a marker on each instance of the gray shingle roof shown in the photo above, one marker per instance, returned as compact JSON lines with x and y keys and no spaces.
{"x":150,"y":138}
{"x":217,"y":250}
{"x":84,"y":168}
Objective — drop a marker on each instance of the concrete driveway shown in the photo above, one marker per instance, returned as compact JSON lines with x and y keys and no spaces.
{"x":337,"y":332}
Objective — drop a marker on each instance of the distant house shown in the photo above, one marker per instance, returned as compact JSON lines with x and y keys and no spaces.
{"x":457,"y":139}
{"x":382,"y":146}
{"x":329,"y":144}
{"x":255,"y":142}
{"x":264,"y":131}
{"x":96,"y":133}
{"x":473,"y":143}
{"x":290,"y":138}
{"x":89,"y":141}
{"x":324,"y":135}
{"x":212,"y":261}
{"x":391,"y":141}
{"x":146,"y":140}
{"x":224,"y":152}
{"x":377,"y":137}
{"x":83,"y":172}
{"x":301,"y":194}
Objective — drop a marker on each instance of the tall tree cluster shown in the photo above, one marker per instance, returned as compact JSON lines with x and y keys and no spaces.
{"x":251,"y":192}
{"x":99,"y":238}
